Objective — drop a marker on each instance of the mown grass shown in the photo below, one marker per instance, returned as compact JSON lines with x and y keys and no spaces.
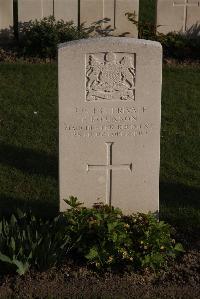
{"x":28,"y":126}
{"x":29,"y":141}
{"x":180,"y":144}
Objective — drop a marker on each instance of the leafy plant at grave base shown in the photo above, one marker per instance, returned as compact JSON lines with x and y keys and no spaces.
{"x":100,"y":236}
{"x":40,"y":38}
{"x":179,"y":46}
{"x":106,"y":238}
{"x":26,"y":241}
{"x":175,"y":45}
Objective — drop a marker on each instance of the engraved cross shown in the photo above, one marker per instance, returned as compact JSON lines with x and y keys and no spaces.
{"x":109,"y":167}
{"x":185,"y":4}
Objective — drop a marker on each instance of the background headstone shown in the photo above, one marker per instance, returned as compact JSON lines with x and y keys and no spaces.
{"x":66,"y":10}
{"x":95,"y":10}
{"x":109,"y":122}
{"x":34,"y":9}
{"x":6,"y":18}
{"x":84,"y":11}
{"x":179,"y":16}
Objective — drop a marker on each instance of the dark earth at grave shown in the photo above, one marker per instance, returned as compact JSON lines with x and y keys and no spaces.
{"x":182,"y":280}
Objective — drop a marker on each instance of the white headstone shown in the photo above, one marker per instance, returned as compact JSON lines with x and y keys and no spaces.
{"x":6,"y":17}
{"x":109,"y":122}
{"x":85,"y":11}
{"x":179,"y":16}
{"x":66,"y":10}
{"x":92,"y":11}
{"x":34,"y":9}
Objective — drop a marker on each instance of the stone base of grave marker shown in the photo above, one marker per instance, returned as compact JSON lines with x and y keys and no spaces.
{"x":109,"y":122}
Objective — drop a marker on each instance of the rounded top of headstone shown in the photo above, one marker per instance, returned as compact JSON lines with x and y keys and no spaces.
{"x":111,"y":40}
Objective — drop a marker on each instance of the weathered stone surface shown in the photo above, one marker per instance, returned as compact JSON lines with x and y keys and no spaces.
{"x":179,"y":16}
{"x":109,"y":122}
{"x":66,"y":10}
{"x":34,"y":9}
{"x":6,"y":17}
{"x":92,"y":11}
{"x":122,"y":22}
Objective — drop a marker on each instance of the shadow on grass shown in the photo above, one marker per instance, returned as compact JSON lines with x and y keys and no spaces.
{"x":33,"y":163}
{"x":180,"y":206}
{"x":179,"y":195}
{"x":45,"y":209}
{"x":29,"y":160}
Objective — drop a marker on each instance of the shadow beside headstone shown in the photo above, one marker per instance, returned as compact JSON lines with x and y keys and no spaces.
{"x":180,"y":206}
{"x":179,"y":195}
{"x":45,"y":209}
{"x":29,"y":160}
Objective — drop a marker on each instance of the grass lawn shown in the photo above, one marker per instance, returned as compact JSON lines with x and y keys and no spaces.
{"x":29,"y":139}
{"x":180,"y":144}
{"x":28,"y":126}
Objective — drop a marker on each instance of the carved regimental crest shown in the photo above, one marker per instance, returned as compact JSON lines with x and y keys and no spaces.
{"x":110,"y":76}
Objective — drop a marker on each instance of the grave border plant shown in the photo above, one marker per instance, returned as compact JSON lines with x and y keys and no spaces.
{"x":100,"y":237}
{"x":39,"y":38}
{"x":175,"y":45}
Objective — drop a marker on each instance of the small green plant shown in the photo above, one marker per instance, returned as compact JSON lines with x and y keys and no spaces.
{"x":106,"y":238}
{"x":175,"y":45}
{"x":40,"y":38}
{"x":100,"y":236}
{"x":15,"y":249}
{"x":179,"y":46}
{"x":26,"y":241}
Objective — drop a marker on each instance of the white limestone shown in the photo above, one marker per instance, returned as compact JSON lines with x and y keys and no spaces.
{"x":6,"y":17}
{"x":109,"y":122}
{"x":34,"y":9}
{"x":66,"y":10}
{"x":88,"y":12}
{"x":92,"y":11}
{"x":179,"y":16}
